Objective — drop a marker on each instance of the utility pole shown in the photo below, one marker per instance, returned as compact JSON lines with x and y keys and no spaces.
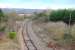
{"x":70,"y":24}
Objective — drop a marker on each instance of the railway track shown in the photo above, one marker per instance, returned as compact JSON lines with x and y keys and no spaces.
{"x":29,"y":39}
{"x":29,"y":44}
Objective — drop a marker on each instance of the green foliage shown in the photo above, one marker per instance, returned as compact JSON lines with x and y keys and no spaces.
{"x":63,"y":15}
{"x":57,"y":15}
{"x":12,"y":35}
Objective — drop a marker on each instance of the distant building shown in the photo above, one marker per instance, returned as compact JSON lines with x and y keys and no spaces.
{"x":24,"y":14}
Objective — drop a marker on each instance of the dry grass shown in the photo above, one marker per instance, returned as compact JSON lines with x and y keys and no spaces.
{"x":59,"y":29}
{"x":7,"y":44}
{"x":56,"y":28}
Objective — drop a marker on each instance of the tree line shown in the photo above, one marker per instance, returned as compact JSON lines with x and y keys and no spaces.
{"x":65,"y":15}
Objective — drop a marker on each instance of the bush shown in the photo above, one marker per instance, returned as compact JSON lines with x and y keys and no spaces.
{"x":12,"y":35}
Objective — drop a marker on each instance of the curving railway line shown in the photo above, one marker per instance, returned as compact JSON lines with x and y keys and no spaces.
{"x":28,"y":39}
{"x":29,"y":44}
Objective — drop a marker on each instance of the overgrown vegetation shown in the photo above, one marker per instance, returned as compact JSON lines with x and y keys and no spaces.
{"x":3,"y":20}
{"x":60,"y":34}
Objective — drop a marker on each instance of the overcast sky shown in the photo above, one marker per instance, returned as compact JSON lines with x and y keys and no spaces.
{"x":37,"y":4}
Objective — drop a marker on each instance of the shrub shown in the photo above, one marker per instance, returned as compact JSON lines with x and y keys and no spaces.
{"x":12,"y":35}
